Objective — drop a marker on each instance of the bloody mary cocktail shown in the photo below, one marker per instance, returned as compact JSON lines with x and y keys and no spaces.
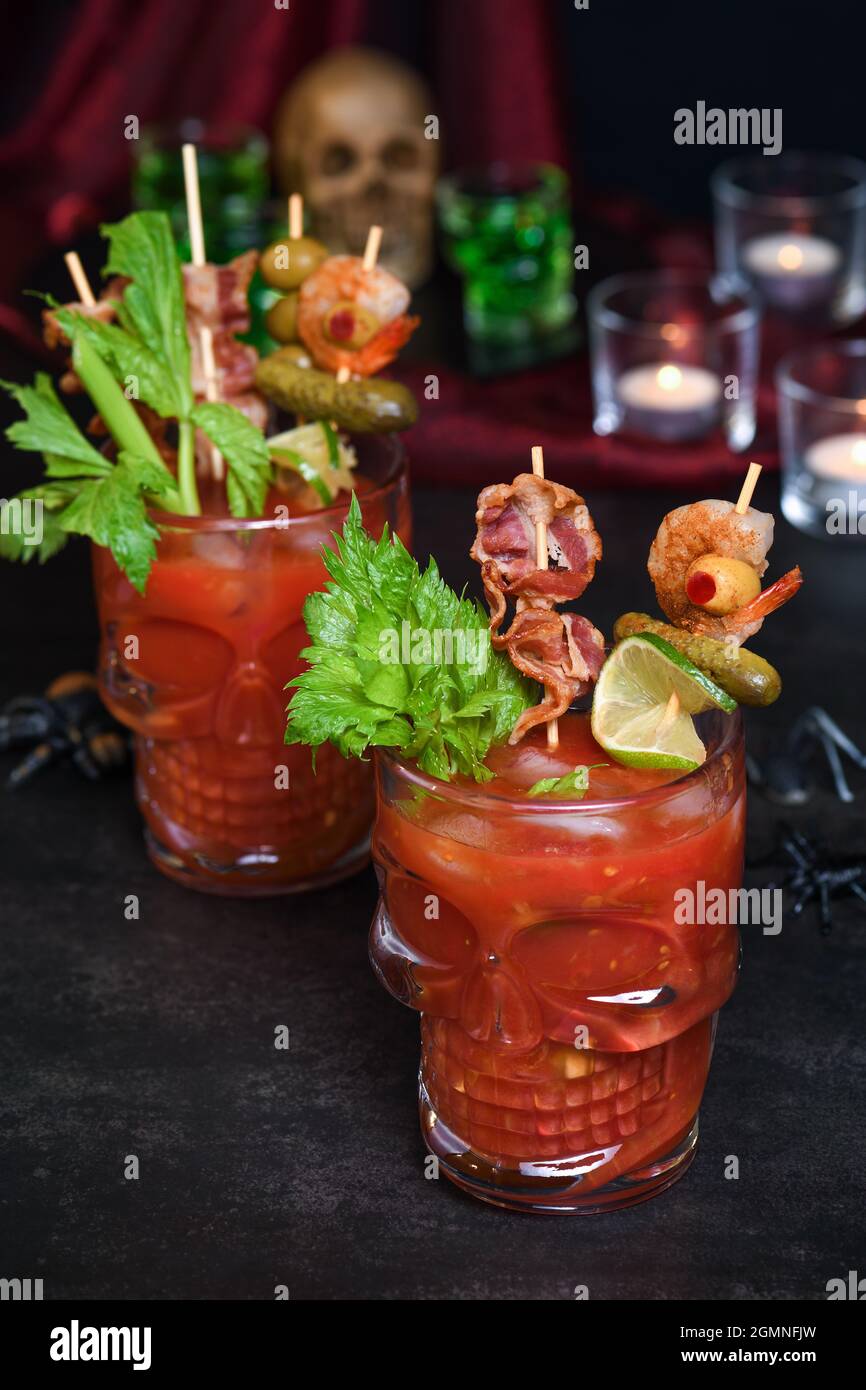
{"x":567,"y":1018}
{"x":197,"y":668}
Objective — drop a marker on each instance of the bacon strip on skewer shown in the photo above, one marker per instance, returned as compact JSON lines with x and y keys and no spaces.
{"x":216,"y":298}
{"x":505,"y":543}
{"x":217,"y":295}
{"x":563,"y":651}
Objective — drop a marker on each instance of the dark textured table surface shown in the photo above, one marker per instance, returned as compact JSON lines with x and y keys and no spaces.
{"x":260,"y":1167}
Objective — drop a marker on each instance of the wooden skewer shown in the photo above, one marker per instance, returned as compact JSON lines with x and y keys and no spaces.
{"x":745,"y":497}
{"x":541,"y":563}
{"x":79,"y":279}
{"x":672,"y":709}
{"x":196,"y":241}
{"x":373,"y":247}
{"x":296,"y":217}
{"x":371,"y":255}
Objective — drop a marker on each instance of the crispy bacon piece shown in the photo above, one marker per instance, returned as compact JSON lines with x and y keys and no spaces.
{"x":216,"y":295}
{"x":236,"y":364}
{"x":105,"y":309}
{"x":505,"y":542}
{"x":561,"y":650}
{"x":217,"y":298}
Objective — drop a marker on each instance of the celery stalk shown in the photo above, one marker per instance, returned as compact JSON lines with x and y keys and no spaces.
{"x":186,"y":468}
{"x":121,"y":420}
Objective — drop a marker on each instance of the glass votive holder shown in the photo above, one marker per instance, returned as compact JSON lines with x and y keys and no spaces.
{"x":793,"y":229}
{"x":822,"y":435}
{"x":672,"y":360}
{"x":233,"y":181}
{"x":507,"y":231}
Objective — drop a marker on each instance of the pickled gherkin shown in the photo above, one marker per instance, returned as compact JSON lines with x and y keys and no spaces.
{"x":361,"y":407}
{"x":743,"y":674}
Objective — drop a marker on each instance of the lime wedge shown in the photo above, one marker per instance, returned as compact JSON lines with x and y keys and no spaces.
{"x":317,"y":453}
{"x":644,"y":701}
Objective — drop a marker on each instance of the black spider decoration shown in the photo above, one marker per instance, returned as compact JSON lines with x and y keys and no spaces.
{"x":784,"y":773}
{"x":818,"y":876}
{"x":69,"y":720}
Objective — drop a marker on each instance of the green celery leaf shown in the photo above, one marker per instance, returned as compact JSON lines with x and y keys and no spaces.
{"x":153,"y":305}
{"x":53,"y":497}
{"x":113,"y":513}
{"x":245,"y":451}
{"x":49,"y":429}
{"x":398,"y":659}
{"x":574,"y":784}
{"x":128,"y":357}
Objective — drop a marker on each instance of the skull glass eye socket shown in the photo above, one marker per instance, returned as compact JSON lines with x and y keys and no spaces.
{"x":181,"y":656}
{"x":337,"y":158}
{"x":399,"y":156}
{"x":604,"y":958}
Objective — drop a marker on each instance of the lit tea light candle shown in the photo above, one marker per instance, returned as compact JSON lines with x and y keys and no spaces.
{"x":792,"y":271}
{"x":841,"y":456}
{"x":670,"y":401}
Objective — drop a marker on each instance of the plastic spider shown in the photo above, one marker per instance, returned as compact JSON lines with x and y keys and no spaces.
{"x":817,"y":876}
{"x":69,"y":720}
{"x":783,"y":775}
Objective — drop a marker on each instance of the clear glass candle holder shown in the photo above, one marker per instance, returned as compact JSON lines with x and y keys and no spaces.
{"x":822,"y":435}
{"x":793,"y":230}
{"x":673,"y":359}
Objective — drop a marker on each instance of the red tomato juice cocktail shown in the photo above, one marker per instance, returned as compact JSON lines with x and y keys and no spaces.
{"x":197,"y":667}
{"x":567,"y":1018}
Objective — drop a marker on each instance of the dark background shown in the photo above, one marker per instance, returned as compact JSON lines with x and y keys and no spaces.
{"x":156,"y":1037}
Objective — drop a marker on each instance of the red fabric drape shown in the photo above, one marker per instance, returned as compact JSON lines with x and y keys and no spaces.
{"x":66,"y":165}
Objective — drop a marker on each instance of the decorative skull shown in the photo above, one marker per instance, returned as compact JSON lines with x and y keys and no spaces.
{"x":350,"y":136}
{"x":578,"y":1042}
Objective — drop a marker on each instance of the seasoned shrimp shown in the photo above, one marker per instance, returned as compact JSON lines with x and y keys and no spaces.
{"x":352,"y":317}
{"x":715,"y":528}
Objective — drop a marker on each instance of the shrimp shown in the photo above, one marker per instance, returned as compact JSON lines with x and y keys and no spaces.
{"x":712,"y":527}
{"x":352,"y":317}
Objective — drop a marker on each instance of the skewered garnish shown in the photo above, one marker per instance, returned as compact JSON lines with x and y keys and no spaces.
{"x":561,"y":650}
{"x":377,"y":677}
{"x":743,"y":674}
{"x":353,"y":316}
{"x":349,"y":315}
{"x":646,"y":696}
{"x":706,"y":564}
{"x":85,"y":492}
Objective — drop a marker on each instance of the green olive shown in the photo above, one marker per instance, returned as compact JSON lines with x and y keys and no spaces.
{"x":347,"y":325}
{"x":295,"y":355}
{"x":281,"y":320}
{"x":719,"y":584}
{"x":285,"y":264}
